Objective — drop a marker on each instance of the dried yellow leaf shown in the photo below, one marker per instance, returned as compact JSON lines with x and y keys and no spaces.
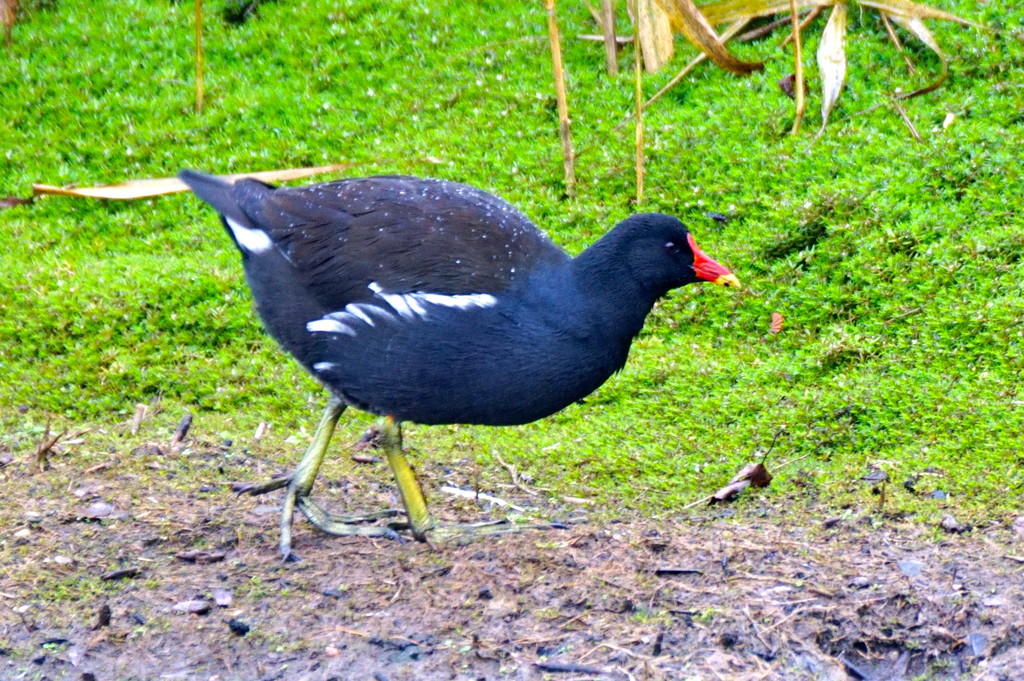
{"x":141,"y":189}
{"x":655,"y":33}
{"x":832,"y":60}
{"x":689,"y":21}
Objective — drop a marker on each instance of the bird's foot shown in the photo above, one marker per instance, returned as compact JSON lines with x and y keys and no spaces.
{"x":253,"y":489}
{"x":342,"y":523}
{"x":463,"y":534}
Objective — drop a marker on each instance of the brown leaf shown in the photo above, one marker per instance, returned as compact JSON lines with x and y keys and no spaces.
{"x":751,"y":475}
{"x":140,"y":189}
{"x":756,"y":473}
{"x":728,"y":492}
{"x":776,"y":326}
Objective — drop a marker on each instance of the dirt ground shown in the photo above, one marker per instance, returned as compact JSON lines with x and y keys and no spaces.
{"x":113,"y":572}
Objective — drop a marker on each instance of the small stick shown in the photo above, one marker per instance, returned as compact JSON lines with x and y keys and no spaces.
{"x":563,"y":105}
{"x":182,"y":430}
{"x":811,"y":16}
{"x":901,"y":316}
{"x":140,"y":413}
{"x":906,"y":119}
{"x":798,"y":68}
{"x":567,"y":667}
{"x":47,"y":443}
{"x":611,"y":51}
{"x":638,"y":78}
{"x":199,"y":56}
{"x":896,"y":41}
{"x":482,"y":496}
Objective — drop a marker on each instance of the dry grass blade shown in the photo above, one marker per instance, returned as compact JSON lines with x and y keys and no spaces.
{"x":611,"y":49}
{"x":730,"y":10}
{"x":562,"y":101}
{"x":798,"y":67}
{"x":654,"y":31}
{"x":141,"y":189}
{"x":689,"y":21}
{"x":832,"y":60}
{"x":639,"y":101}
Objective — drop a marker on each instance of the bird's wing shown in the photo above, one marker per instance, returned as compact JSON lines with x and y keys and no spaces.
{"x":397,"y":234}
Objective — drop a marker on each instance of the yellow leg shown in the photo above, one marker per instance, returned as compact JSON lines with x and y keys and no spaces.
{"x":420,"y":521}
{"x":300,"y":483}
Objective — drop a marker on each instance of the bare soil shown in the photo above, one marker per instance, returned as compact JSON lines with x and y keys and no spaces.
{"x":114,"y":572}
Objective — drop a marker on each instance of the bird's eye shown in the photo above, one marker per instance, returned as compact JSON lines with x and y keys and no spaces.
{"x":671,"y":247}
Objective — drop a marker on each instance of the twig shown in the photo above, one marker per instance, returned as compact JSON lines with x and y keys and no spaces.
{"x":906,"y":119}
{"x":140,"y":414}
{"x":786,"y":463}
{"x":811,"y":16}
{"x":775,"y":439}
{"x":757,"y":630}
{"x":798,"y":70}
{"x":514,"y":474}
{"x":698,"y":502}
{"x":896,"y":41}
{"x":905,"y":314}
{"x":560,"y":96}
{"x":47,"y":443}
{"x":1019,"y":559}
{"x":611,"y":49}
{"x":762,"y":31}
{"x":480,"y":496}
{"x":568,"y":668}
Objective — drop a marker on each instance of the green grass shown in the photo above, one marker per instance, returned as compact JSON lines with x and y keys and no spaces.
{"x":897,"y":265}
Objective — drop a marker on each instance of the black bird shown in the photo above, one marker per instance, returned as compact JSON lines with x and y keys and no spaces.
{"x":431,"y":301}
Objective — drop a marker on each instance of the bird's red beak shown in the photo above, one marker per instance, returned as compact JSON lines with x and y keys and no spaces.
{"x":708,"y":269}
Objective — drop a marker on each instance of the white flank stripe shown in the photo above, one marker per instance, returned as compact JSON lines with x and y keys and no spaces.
{"x":408,"y":304}
{"x":357,"y":310}
{"x":329,"y":326}
{"x":397,"y":301}
{"x":463,"y":301}
{"x":252,"y":240}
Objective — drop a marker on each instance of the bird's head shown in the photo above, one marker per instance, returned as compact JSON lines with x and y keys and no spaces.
{"x":663,"y":255}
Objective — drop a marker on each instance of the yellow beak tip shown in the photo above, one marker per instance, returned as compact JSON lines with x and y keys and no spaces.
{"x":729,"y":281}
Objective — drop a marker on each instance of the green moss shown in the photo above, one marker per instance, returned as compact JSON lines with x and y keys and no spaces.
{"x":896,"y":265}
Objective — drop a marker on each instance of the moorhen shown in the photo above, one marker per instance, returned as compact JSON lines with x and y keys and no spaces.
{"x":430,"y":301}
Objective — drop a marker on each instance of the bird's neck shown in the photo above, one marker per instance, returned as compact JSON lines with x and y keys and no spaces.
{"x":617,"y":298}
